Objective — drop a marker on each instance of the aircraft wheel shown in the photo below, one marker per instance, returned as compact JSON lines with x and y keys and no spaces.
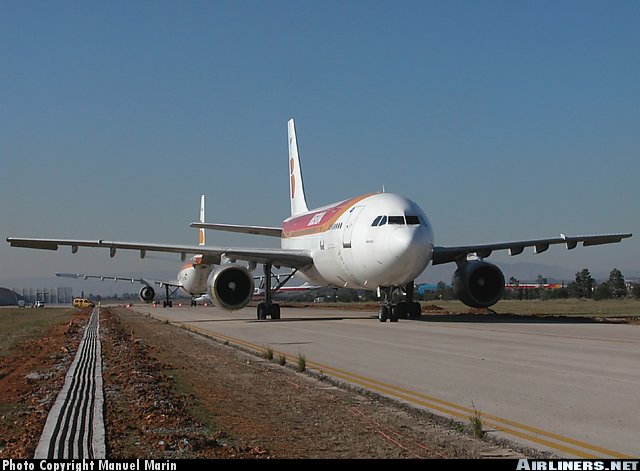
{"x":404,"y":310}
{"x":164,"y":304}
{"x":415,"y":311}
{"x":383,"y":313}
{"x":396,"y":313}
{"x":170,"y":304}
{"x":275,"y":311}
{"x":262,"y":311}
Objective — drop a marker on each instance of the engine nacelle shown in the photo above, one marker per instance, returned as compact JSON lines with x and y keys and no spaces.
{"x":147,"y":294}
{"x":478,"y":284}
{"x":230,"y":287}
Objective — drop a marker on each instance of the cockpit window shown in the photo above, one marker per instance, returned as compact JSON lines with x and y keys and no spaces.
{"x":412,"y":220}
{"x":383,"y":221}
{"x":376,"y":221}
{"x":396,"y":220}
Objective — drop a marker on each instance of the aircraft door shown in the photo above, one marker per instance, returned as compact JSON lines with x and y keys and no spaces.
{"x":350,"y":224}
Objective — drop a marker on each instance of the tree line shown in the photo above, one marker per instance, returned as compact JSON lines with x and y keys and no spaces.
{"x":584,"y":286}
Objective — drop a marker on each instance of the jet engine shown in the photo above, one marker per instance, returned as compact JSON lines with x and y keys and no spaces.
{"x":478,"y":284}
{"x":147,"y":294}
{"x":230,"y":287}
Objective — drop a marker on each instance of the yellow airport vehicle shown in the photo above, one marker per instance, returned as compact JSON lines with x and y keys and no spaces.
{"x":79,"y":302}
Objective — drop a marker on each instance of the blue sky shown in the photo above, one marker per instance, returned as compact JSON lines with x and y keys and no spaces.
{"x":503,"y":120}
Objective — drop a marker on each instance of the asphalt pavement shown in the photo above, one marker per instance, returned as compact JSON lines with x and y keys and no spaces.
{"x":571,"y":387}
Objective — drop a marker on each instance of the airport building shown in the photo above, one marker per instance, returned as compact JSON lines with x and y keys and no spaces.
{"x":8,"y":297}
{"x":63,"y":295}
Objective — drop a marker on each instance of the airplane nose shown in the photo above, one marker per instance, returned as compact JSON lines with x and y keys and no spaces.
{"x":410,"y":238}
{"x":401,"y":241}
{"x":410,"y":248}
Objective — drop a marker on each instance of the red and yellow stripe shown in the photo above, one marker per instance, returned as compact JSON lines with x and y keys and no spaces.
{"x":306,"y":224}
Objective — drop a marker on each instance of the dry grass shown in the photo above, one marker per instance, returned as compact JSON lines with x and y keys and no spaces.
{"x":17,"y":325}
{"x":629,"y":307}
{"x":557,"y":307}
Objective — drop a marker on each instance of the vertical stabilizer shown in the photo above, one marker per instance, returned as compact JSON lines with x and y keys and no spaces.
{"x":296,"y":187}
{"x":201,"y":240}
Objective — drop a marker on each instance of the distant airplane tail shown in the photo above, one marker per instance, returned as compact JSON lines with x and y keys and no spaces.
{"x":201,"y":240}
{"x":298,"y":200}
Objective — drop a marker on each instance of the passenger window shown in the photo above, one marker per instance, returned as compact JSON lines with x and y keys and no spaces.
{"x":376,"y":221}
{"x":383,"y":221}
{"x":399,"y":220}
{"x":412,"y":220}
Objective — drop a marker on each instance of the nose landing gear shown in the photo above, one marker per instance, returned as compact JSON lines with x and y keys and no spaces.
{"x":391,"y":309}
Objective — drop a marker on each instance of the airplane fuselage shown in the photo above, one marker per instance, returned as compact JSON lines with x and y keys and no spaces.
{"x":193,"y":277}
{"x":372,"y":240}
{"x":379,"y":239}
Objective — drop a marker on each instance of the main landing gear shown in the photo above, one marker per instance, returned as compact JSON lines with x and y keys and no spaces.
{"x":167,"y":301}
{"x":391,"y":310}
{"x":268,"y":307}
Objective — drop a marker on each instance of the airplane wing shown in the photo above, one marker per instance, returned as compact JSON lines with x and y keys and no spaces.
{"x":453,"y":254}
{"x":300,"y":288}
{"x":144,"y":281}
{"x":277,"y":257}
{"x":256,"y":230}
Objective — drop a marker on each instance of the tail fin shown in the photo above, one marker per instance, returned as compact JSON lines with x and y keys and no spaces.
{"x":201,"y":241}
{"x":298,"y":200}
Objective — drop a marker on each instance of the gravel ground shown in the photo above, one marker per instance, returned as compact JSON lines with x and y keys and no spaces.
{"x":170,"y":393}
{"x":30,"y":378}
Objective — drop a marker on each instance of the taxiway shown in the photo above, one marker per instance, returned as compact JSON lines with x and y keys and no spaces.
{"x":570,"y":387}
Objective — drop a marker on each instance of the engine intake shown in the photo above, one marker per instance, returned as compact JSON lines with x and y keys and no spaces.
{"x":147,"y":294}
{"x":478,"y":284}
{"x":231,"y":287}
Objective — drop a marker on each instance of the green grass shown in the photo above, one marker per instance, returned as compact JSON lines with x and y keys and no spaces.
{"x":302,"y":362}
{"x":268,"y":353}
{"x":17,"y":325}
{"x":476,"y":422}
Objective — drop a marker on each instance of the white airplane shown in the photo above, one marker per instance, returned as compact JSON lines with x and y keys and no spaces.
{"x":191,"y":279}
{"x":378,"y":241}
{"x":259,"y":292}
